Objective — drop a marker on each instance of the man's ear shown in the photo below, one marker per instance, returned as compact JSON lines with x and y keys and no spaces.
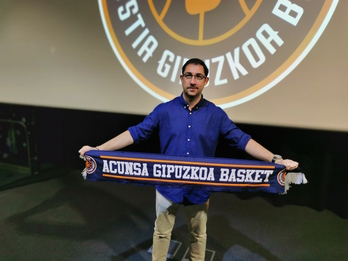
{"x":206,"y":81}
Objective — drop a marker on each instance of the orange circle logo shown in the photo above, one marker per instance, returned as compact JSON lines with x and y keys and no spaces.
{"x":249,"y":46}
{"x":91,"y":165}
{"x":281,"y":177}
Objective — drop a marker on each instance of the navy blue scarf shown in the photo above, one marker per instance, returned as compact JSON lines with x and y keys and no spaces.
{"x":214,"y":174}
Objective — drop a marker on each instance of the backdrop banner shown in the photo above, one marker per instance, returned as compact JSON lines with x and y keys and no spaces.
{"x":214,"y":174}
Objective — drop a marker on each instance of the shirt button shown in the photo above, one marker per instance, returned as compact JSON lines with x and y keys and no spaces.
{"x":188,"y":139}
{"x":187,"y":153}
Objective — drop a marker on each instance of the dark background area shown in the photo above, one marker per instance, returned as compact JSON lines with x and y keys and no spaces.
{"x":56,"y":135}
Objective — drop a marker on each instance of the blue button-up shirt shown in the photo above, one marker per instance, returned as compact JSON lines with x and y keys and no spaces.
{"x":194,"y":133}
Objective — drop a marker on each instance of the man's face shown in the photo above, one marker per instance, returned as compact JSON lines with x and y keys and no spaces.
{"x":193,"y":81}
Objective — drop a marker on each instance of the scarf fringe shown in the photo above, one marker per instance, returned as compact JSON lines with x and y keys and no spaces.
{"x":84,"y":172}
{"x":294,"y":178}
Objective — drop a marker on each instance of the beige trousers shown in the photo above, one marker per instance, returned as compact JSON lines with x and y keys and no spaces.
{"x":197,"y":222}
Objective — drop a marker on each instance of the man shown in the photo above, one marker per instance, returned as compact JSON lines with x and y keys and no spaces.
{"x":188,"y":126}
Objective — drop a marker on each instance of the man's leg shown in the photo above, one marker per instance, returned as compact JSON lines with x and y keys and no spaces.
{"x":165,"y":212}
{"x":197,"y":224}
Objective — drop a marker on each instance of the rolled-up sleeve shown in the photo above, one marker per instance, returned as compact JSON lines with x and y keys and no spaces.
{"x":232,"y":134}
{"x":243,"y":141}
{"x":146,"y":128}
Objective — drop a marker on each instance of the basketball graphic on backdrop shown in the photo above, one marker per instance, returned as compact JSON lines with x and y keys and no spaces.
{"x":248,"y":45}
{"x":198,"y":12}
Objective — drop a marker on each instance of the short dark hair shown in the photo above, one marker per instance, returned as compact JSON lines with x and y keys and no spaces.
{"x":196,"y":61}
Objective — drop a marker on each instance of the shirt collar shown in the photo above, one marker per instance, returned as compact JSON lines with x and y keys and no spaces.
{"x":186,"y":105}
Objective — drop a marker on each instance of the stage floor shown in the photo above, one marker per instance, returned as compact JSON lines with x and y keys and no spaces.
{"x":67,"y":218}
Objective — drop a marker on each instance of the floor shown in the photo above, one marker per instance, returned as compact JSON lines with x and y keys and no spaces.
{"x":60,"y":216}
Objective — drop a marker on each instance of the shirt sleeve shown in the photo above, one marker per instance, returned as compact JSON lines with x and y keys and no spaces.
{"x":232,"y":134}
{"x":146,"y":128}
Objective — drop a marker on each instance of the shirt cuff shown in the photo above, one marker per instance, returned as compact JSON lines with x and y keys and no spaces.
{"x":243,"y":142}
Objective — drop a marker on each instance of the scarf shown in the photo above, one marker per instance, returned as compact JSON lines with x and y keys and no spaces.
{"x":213,"y":174}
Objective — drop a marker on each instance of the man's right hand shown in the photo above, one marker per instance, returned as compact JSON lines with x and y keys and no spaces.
{"x":86,"y":148}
